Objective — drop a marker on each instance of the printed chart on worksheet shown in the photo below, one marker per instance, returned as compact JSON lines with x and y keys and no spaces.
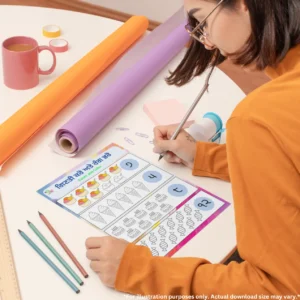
{"x":130,"y":198}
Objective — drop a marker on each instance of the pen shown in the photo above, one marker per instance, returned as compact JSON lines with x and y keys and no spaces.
{"x":199,"y":96}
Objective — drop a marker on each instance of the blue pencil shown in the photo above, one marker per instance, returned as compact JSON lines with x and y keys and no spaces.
{"x":49,"y":262}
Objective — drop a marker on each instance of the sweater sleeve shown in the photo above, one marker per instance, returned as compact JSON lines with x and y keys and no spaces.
{"x":270,"y":251}
{"x":211,"y":161}
{"x":141,"y":273}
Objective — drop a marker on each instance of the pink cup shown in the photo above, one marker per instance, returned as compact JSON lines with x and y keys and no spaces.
{"x":20,"y":62}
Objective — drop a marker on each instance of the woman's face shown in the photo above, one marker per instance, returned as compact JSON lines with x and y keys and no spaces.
{"x":227,"y":29}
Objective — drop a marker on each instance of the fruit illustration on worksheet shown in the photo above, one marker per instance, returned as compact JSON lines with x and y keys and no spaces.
{"x":118,"y":178}
{"x":115,"y":169}
{"x":70,"y":200}
{"x":84,"y":202}
{"x":81,"y":192}
{"x":104,"y":177}
{"x":93,"y":184}
{"x":96,"y":194}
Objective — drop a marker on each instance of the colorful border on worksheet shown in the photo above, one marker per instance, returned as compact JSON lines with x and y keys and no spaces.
{"x":197,"y":230}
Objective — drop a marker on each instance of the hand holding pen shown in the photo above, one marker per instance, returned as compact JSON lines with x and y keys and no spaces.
{"x":179,"y":151}
{"x":162,"y":133}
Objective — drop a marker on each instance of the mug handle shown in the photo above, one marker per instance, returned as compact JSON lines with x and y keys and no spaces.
{"x":47,"y":72}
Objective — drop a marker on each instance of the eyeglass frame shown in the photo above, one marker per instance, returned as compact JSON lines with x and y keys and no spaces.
{"x":198,"y":27}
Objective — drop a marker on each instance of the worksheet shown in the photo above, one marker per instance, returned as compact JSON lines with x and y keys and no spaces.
{"x":127,"y":197}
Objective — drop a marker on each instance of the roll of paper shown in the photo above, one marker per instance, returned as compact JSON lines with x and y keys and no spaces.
{"x":20,"y":127}
{"x":76,"y":133}
{"x":139,"y":50}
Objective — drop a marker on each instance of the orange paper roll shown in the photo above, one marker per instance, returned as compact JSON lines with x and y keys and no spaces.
{"x":21,"y":126}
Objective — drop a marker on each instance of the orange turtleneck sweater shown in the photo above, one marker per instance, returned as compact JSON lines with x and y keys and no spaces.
{"x":262,"y":160}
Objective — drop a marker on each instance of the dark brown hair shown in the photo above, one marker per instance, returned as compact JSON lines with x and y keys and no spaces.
{"x":275,"y":30}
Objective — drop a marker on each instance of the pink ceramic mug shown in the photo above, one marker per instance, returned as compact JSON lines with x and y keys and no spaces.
{"x":20,"y":62}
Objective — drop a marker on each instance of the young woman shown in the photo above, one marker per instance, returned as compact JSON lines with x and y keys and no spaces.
{"x":261,"y":159}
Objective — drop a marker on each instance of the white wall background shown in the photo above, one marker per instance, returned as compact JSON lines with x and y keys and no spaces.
{"x":156,"y":10}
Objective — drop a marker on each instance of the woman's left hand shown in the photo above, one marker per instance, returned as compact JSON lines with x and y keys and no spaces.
{"x":105,"y":254}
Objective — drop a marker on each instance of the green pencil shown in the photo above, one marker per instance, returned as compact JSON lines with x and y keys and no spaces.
{"x":49,"y":262}
{"x":56,"y":254}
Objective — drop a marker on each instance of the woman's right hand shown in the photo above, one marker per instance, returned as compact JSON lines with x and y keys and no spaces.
{"x":181,"y":150}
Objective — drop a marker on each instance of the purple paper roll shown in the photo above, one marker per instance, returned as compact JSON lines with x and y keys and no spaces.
{"x":75,"y":134}
{"x":140,"y":49}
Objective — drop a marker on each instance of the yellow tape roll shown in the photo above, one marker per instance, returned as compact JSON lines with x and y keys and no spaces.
{"x":51,"y":31}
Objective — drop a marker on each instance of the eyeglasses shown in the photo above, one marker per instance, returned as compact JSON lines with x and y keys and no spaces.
{"x":198,"y":32}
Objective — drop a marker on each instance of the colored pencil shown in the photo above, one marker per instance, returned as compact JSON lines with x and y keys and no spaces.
{"x":49,"y":262}
{"x":64,"y":246}
{"x":55,"y":253}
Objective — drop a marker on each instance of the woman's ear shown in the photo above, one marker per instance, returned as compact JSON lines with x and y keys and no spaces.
{"x":242,"y":7}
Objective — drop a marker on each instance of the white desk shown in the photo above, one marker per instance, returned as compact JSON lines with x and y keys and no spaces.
{"x":35,"y":164}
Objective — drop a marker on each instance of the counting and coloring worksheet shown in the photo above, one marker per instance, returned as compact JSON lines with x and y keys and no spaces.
{"x":130,"y":198}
